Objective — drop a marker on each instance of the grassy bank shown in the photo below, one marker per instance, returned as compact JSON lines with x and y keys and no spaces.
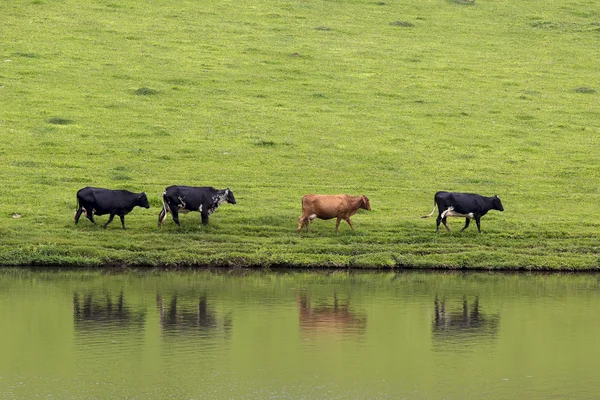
{"x":276,"y":99}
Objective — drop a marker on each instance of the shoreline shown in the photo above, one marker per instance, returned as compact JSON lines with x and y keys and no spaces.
{"x":123,"y":266}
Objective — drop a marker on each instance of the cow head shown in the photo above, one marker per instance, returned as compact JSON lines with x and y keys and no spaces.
{"x":229,"y":196}
{"x":497,"y":203}
{"x":365,"y":203}
{"x":142,"y":201}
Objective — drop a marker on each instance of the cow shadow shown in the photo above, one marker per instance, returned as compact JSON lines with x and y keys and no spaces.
{"x":180,"y":316}
{"x":329,"y":317}
{"x":464,"y":325}
{"x":93,"y":312}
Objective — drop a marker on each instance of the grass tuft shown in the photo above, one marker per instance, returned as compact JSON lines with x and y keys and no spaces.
{"x":265,"y":143}
{"x":144,"y":91}
{"x":463,"y":2}
{"x":404,"y":24}
{"x":120,"y":177}
{"x":59,"y":121}
{"x":585,"y":90}
{"x":27,"y":164}
{"x":25,"y":55}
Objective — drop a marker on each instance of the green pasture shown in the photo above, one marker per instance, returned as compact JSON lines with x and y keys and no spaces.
{"x":276,"y":99}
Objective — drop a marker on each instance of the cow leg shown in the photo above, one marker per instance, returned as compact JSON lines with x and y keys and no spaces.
{"x":204,"y":215}
{"x":307,"y":222}
{"x":90,"y":216}
{"x":444,"y":222}
{"x":467,"y":222}
{"x":175,"y":215}
{"x":301,"y":222}
{"x":122,"y":221}
{"x":350,"y":223}
{"x":437,"y":223}
{"x":109,"y":220}
{"x":337,"y":224}
{"x":477,"y":220}
{"x":78,"y":214}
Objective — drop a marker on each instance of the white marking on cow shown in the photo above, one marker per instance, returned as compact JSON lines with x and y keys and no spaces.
{"x":217,"y":200}
{"x":181,"y":206}
{"x":200,"y":208}
{"x":312,"y":216}
{"x":451,"y":213}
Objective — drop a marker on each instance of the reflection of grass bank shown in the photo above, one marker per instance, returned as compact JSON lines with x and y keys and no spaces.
{"x":389,"y":105}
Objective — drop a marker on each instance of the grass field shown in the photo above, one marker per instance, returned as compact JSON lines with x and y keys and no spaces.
{"x":276,"y":99}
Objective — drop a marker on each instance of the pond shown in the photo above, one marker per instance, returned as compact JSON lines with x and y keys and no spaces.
{"x":298,"y":334}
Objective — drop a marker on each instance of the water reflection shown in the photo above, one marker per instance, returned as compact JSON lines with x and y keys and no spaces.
{"x":463,"y":322}
{"x":180,"y":315}
{"x":92,"y":311}
{"x":430,"y":336}
{"x":329,"y":316}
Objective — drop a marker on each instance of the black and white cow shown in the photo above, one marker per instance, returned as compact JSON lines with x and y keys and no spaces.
{"x":468,"y":205}
{"x":205,"y":199}
{"x":105,"y":201}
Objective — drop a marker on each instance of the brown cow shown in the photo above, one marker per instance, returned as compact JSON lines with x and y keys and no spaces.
{"x":340,"y":206}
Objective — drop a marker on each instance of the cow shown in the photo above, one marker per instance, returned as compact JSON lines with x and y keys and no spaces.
{"x":106,"y":201}
{"x":468,"y":205}
{"x":340,"y":206}
{"x":205,"y":199}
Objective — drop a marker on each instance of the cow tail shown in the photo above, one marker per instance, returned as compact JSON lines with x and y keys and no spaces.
{"x":431,"y":213}
{"x":77,"y":209}
{"x":165,"y":209}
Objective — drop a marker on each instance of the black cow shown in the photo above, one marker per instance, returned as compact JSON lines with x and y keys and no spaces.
{"x":468,"y":205}
{"x":105,"y":201}
{"x":188,"y":198}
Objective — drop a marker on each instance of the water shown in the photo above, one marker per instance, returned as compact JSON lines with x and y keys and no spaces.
{"x":300,"y":335}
